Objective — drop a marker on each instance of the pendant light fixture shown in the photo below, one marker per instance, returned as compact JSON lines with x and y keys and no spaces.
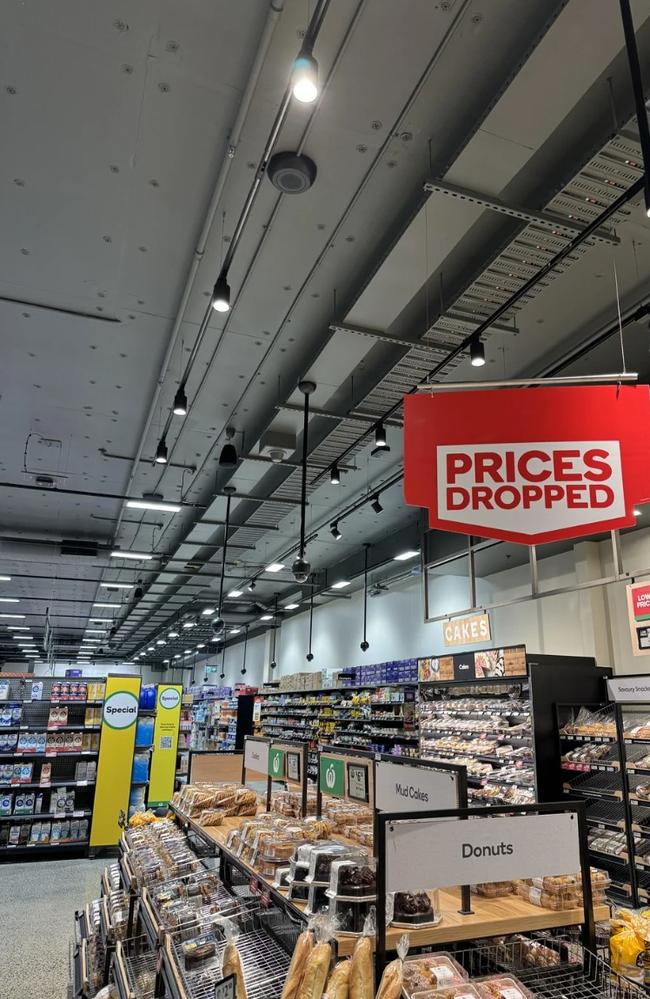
{"x":477,"y":353}
{"x":639,"y":95}
{"x":365,"y":644}
{"x":304,"y":78}
{"x":301,"y":567}
{"x":222,"y":675}
{"x":221,"y":295}
{"x":335,"y":475}
{"x":243,"y":668}
{"x":161,"y":452}
{"x":334,"y":531}
{"x":380,"y":436}
{"x":310,"y":655}
{"x":228,"y":456}
{"x":218,"y":625}
{"x":180,"y":401}
{"x":273,"y":664}
{"x":376,"y":505}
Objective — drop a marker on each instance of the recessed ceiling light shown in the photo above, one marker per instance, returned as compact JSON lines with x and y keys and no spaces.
{"x":187,"y":652}
{"x":17,"y":627}
{"x":201,"y":645}
{"x":116,"y":586}
{"x":266,"y":617}
{"x":95,"y":631}
{"x":145,"y":504}
{"x":177,"y":657}
{"x":172,"y":634}
{"x":403,"y":556}
{"x":161,"y":641}
{"x":341,"y":583}
{"x":189,"y":624}
{"x":9,"y":600}
{"x":208,"y":611}
{"x":138,"y":556}
{"x":275,"y":567}
{"x":165,"y":660}
{"x":151,"y":649}
{"x":235,"y":593}
{"x":291,"y":606}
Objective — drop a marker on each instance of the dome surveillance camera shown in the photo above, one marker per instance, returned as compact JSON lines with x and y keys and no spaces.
{"x":218,"y":625}
{"x":309,"y":657}
{"x":364,"y":646}
{"x":243,"y":670}
{"x":273,"y":664}
{"x":301,"y":569}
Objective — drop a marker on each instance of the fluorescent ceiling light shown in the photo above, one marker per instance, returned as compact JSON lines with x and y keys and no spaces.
{"x":189,"y":624}
{"x":5,"y":579}
{"x":17,"y":627}
{"x":116,"y":586}
{"x":275,"y":567}
{"x":138,"y":556}
{"x":235,"y":593}
{"x":403,"y":556}
{"x":161,"y":641}
{"x":14,"y":616}
{"x":106,"y":605}
{"x":187,"y":652}
{"x":95,"y":631}
{"x":341,"y":583}
{"x":176,"y":657}
{"x":173,"y":634}
{"x":9,"y":600}
{"x":291,"y":606}
{"x":201,"y":645}
{"x":144,"y":504}
{"x":208,"y":612}
{"x":266,"y":617}
{"x":235,"y":631}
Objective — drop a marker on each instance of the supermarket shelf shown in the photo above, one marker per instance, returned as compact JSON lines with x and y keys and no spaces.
{"x":337,"y":690}
{"x":49,"y":755}
{"x":37,"y":816}
{"x":46,"y":787}
{"x":51,"y":728}
{"x":78,"y":844}
{"x":587,"y":738}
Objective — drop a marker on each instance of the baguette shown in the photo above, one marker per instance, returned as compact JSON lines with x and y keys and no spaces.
{"x":301,"y":952}
{"x":232,"y":966}
{"x":338,"y":983}
{"x":391,"y":981}
{"x":361,"y":971}
{"x":315,"y":976}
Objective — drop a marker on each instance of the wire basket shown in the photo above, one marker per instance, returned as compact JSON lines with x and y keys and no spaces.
{"x":135,"y":967}
{"x":575,"y":974}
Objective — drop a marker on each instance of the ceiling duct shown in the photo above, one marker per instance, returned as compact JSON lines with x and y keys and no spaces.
{"x":87,"y":549}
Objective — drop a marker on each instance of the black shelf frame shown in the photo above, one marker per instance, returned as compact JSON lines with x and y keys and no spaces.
{"x":564,"y":710}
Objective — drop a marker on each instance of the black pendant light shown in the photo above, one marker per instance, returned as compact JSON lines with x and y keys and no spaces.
{"x":243,"y":668}
{"x":218,"y":625}
{"x":222,"y":675}
{"x":365,"y":644}
{"x":180,"y":402}
{"x":161,"y":452}
{"x":310,"y":655}
{"x":301,"y":567}
{"x":273,"y":664}
{"x":228,"y":456}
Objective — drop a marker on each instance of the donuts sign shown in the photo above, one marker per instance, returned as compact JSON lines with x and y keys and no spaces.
{"x":528,"y":465}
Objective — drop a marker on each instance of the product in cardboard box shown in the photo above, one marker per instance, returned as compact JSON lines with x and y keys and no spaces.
{"x":46,"y":773}
{"x":6,"y":773}
{"x":6,"y":804}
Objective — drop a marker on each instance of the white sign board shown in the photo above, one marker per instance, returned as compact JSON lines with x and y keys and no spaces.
{"x":472,"y":851}
{"x":402,"y":788}
{"x":626,"y":689}
{"x":256,"y":756}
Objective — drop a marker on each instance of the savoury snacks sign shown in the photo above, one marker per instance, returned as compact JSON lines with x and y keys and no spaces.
{"x":478,"y":850}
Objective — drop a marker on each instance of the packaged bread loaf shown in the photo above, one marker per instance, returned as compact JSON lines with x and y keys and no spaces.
{"x":338,"y":983}
{"x":232,"y":960}
{"x":301,"y":952}
{"x":362,"y":984}
{"x":392,"y":979}
{"x":316,"y":971}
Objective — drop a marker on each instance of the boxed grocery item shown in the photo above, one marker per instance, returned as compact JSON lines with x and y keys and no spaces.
{"x":6,"y":804}
{"x":46,"y":773}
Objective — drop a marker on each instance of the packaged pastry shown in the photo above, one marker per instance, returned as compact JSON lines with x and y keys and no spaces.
{"x":415,"y":908}
{"x":392,"y":978}
{"x":353,"y":878}
{"x":232,"y":964}
{"x":322,"y":858}
{"x":317,"y":899}
{"x":434,"y":971}
{"x":301,"y":952}
{"x":493,"y":889}
{"x":298,"y":891}
{"x":198,"y":950}
{"x":502,"y":987}
{"x":462,"y":990}
{"x":350,"y":913}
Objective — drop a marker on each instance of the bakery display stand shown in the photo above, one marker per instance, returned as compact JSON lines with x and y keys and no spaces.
{"x":49,"y":745}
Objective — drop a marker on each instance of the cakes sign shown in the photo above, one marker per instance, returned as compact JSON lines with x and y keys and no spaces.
{"x":466,"y":630}
{"x":528,"y":465}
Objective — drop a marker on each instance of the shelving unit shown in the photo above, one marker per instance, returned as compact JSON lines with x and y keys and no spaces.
{"x":220,"y":722}
{"x":49,"y":746}
{"x":375,"y":717}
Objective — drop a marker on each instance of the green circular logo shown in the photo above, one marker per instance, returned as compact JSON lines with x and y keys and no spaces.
{"x":120,"y":709}
{"x":169,"y":698}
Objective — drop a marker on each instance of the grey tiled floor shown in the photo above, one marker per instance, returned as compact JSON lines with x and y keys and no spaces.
{"x":37,"y":906}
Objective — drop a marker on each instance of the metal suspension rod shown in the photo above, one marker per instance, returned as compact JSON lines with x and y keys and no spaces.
{"x":639,"y":96}
{"x":365,"y":593}
{"x":225,"y":547}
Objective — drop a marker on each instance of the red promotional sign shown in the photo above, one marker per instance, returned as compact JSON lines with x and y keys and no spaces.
{"x":641,"y":601}
{"x":528,"y":465}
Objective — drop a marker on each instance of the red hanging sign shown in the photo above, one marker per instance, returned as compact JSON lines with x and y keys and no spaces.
{"x":528,"y":465}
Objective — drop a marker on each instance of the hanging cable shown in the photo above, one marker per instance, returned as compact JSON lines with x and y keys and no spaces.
{"x":365,"y":645}
{"x":310,"y":655}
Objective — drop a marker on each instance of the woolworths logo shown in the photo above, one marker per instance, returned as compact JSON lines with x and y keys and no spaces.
{"x":330,"y":777}
{"x":120,"y":709}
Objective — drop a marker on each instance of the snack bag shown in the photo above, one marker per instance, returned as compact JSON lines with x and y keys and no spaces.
{"x":390,"y":986}
{"x":232,"y":960}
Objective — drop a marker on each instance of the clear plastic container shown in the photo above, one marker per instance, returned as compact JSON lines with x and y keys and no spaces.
{"x":350,"y":913}
{"x":298,"y":891}
{"x":298,"y":872}
{"x":199,"y":950}
{"x":415,"y":908}
{"x":316,"y":899}
{"x":322,"y":858}
{"x":435,"y":971}
{"x":464,"y":990}
{"x":353,"y":879}
{"x":502,"y":987}
{"x":493,"y":889}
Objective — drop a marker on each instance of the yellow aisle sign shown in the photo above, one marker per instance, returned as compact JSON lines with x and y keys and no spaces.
{"x":165,"y":744}
{"x":119,"y":717}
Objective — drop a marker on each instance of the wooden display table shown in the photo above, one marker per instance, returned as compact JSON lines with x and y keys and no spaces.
{"x":490,"y":917}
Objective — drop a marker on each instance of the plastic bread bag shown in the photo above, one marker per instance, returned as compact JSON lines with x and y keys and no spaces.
{"x":390,"y":986}
{"x":362,"y":974}
{"x":317,"y":966}
{"x":232,"y":964}
{"x":301,"y":952}
{"x":338,"y":983}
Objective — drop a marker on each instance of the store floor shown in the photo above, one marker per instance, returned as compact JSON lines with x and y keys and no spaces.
{"x":37,"y":906}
